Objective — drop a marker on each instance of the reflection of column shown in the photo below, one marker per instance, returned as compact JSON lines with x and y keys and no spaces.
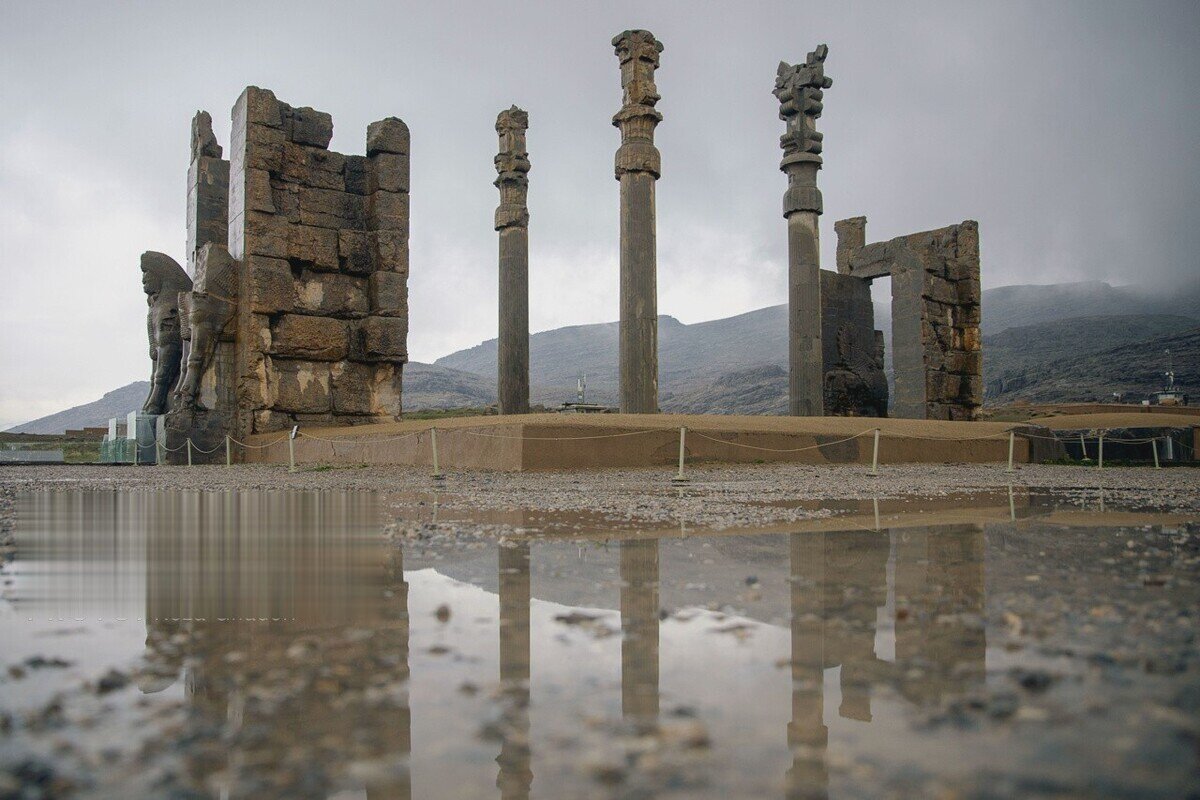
{"x":807,"y":734}
{"x":639,"y":628}
{"x":395,"y":615}
{"x":515,"y":775}
{"x":940,"y":585}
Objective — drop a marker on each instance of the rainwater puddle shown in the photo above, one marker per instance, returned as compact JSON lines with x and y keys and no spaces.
{"x":276,"y":644}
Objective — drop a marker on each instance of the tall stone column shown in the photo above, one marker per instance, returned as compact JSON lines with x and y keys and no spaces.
{"x":637,"y":168}
{"x":639,"y":628}
{"x":799,"y":90}
{"x":512,"y":222}
{"x":807,"y":736}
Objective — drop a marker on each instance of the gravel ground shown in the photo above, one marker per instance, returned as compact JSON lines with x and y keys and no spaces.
{"x":717,"y":497}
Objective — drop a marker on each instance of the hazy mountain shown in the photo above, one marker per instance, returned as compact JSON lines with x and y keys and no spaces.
{"x":116,"y":403}
{"x":1040,"y":342}
{"x":1134,"y":369}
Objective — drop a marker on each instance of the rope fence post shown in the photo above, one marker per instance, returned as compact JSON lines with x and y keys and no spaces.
{"x":189,"y":451}
{"x":1083,"y":446}
{"x":1154,"y":448}
{"x":160,"y":455}
{"x":228,"y":452}
{"x":437,"y":472}
{"x":1012,"y":442}
{"x":292,"y":448}
{"x":875,"y":459}
{"x":680,"y":477}
{"x":1100,"y":452}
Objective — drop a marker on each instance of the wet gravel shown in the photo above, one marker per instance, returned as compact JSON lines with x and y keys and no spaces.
{"x":715,"y":497}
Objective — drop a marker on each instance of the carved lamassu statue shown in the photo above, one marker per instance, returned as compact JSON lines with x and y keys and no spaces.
{"x":163,"y":280}
{"x":210,"y":309}
{"x":857,"y":384}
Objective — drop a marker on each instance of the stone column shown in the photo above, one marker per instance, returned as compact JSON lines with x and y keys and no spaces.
{"x":637,"y":168}
{"x":639,"y":628}
{"x":799,"y":90}
{"x":512,"y":222}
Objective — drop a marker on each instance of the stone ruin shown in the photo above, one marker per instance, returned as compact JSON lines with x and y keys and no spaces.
{"x":936,"y":346}
{"x":835,"y":355}
{"x":293,"y":309}
{"x":296,"y":310}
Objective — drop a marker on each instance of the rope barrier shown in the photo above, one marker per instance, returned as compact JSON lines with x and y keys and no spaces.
{"x":565,"y":438}
{"x":782,"y":450}
{"x":348,"y":439}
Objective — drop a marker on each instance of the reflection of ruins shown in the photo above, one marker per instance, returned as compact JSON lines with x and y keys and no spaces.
{"x":257,"y":623}
{"x":254,"y":597}
{"x":515,"y":775}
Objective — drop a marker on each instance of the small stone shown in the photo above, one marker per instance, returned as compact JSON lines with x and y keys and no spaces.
{"x":442,"y":613}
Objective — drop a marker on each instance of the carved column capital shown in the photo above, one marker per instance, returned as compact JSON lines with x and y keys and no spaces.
{"x":512,"y":166}
{"x":638,"y":52}
{"x":800,"y":91}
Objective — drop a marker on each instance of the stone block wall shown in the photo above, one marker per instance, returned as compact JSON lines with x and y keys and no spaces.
{"x":322,"y":239}
{"x":936,"y":294}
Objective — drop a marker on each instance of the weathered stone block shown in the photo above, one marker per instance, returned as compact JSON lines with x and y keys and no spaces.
{"x":310,"y":166}
{"x":270,"y":421}
{"x":384,"y":338}
{"x":389,"y":172}
{"x":270,"y":286}
{"x":317,"y":248}
{"x":387,"y":136}
{"x":355,"y":252}
{"x":265,"y":235}
{"x":356,"y":174}
{"x":331,"y":294}
{"x":389,"y":250}
{"x":308,"y":126}
{"x":354,"y":386}
{"x":258,"y":191}
{"x":940,"y":290}
{"x":317,"y":338}
{"x":388,"y":211}
{"x":257,"y":107}
{"x":389,"y":294}
{"x":325,"y":208}
{"x":300,"y":386}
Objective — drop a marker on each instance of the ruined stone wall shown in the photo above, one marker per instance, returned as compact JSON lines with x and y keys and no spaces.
{"x":936,"y":294}
{"x":852,"y":350}
{"x":322,"y":241}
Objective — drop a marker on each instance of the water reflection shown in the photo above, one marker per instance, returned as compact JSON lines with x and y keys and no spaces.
{"x":282,"y":621}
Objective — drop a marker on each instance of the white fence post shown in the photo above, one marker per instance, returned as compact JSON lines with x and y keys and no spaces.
{"x":680,"y":478}
{"x":1100,"y":452}
{"x":437,"y":472}
{"x":875,"y":454}
{"x":1082,"y":446}
{"x":1154,"y":447}
{"x":292,"y":448}
{"x":189,"y":449}
{"x":228,"y":453}
{"x":1012,"y":442}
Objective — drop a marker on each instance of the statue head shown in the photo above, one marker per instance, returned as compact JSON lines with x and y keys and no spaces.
{"x":162,"y":275}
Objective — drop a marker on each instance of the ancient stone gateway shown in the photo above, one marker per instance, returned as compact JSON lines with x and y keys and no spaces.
{"x":512,"y":223}
{"x":300,"y":259}
{"x":936,"y":346}
{"x":800,"y":89}
{"x":638,"y":166}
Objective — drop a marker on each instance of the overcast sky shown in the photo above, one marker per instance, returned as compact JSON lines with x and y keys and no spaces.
{"x":1068,"y":130}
